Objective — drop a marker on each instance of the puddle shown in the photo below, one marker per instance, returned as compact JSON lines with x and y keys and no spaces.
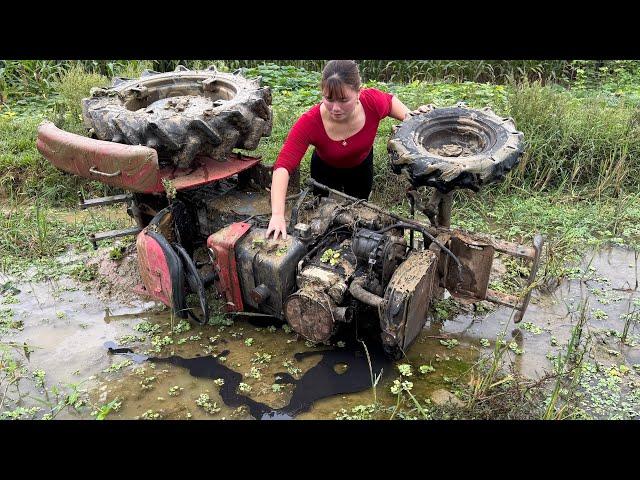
{"x":255,"y":369}
{"x":606,"y":288}
{"x":64,"y":328}
{"x":320,"y":381}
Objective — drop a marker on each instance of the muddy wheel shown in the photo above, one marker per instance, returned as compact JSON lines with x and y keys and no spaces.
{"x":455,"y":147}
{"x":181,"y":114}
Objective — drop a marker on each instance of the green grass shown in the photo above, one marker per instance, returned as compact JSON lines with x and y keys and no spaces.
{"x":32,"y":235}
{"x":575,"y":142}
{"x":75,"y":85}
{"x":25,"y":173}
{"x":575,"y":183}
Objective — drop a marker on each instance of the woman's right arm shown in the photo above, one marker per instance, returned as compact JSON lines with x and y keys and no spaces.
{"x":293,"y":149}
{"x":279,"y":183}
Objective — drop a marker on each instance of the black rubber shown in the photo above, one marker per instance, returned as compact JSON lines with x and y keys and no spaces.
{"x":176,"y":272}
{"x":455,"y":147}
{"x":195,"y":283}
{"x":181,"y":114}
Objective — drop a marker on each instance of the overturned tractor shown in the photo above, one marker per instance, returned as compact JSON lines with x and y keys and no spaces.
{"x":202,"y":210}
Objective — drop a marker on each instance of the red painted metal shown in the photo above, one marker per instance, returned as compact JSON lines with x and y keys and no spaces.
{"x":132,"y":167}
{"x":154,"y":269}
{"x":137,"y":164}
{"x":207,"y":170}
{"x":222,"y":243}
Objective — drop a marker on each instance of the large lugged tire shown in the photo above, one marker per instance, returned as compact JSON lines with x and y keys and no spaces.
{"x":182,"y":114}
{"x":455,"y":147}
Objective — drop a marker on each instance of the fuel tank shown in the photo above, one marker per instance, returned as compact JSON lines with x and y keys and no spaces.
{"x":267,"y":269}
{"x":258,"y":273}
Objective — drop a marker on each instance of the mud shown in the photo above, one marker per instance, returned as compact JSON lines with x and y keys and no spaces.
{"x":454,"y":150}
{"x":267,"y":372}
{"x":242,"y":203}
{"x":413,"y":271}
{"x":116,"y":279}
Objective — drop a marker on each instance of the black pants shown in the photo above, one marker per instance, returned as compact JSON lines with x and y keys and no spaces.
{"x":356,"y":181}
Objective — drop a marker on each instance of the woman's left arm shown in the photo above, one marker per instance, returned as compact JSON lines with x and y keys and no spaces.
{"x":399,"y":110}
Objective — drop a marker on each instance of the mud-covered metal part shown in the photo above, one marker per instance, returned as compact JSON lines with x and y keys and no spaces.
{"x":360,"y":293}
{"x":476,"y":259}
{"x":322,"y":301}
{"x":476,"y":253}
{"x":303,"y":231}
{"x":382,"y":252}
{"x":182,"y":114}
{"x":323,"y":279}
{"x":364,"y":242}
{"x":83,"y":203}
{"x":136,"y":165}
{"x":406,"y":301}
{"x":323,"y":217}
{"x":293,"y":221}
{"x":222,"y":245}
{"x":455,"y":147}
{"x":94,"y":238}
{"x":161,"y":271}
{"x":185,"y":226}
{"x":267,"y":270}
{"x":310,"y":313}
{"x":538,"y":241}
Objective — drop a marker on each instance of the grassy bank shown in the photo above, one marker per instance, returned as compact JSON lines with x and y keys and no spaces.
{"x":575,"y":183}
{"x":18,"y":77}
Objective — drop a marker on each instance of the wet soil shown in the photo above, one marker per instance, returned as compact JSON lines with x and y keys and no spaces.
{"x":259,"y":370}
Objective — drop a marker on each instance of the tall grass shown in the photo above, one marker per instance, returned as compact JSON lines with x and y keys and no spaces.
{"x":29,"y":77}
{"x":20,"y":78}
{"x":572,"y":143}
{"x":567,"y":368}
{"x":38,"y":77}
{"x":72,"y":88}
{"x":494,"y":71}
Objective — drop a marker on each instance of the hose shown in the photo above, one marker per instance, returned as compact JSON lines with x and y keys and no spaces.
{"x":356,"y":288}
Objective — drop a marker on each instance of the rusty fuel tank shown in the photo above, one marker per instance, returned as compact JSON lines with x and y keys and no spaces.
{"x":267,"y":269}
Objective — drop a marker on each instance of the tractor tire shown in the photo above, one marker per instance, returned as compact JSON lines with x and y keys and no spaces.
{"x":455,"y":147}
{"x":181,"y":114}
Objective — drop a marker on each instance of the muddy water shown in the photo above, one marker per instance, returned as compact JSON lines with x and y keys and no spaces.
{"x":259,"y":370}
{"x":606,"y":285}
{"x":65,"y":327}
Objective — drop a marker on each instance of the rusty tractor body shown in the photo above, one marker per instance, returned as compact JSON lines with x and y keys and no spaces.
{"x":201,"y":229}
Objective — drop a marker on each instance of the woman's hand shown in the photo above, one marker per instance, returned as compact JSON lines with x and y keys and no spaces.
{"x":277,"y":225}
{"x":421,"y":109}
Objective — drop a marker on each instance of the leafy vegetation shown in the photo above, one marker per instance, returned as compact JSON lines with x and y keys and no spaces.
{"x":576,"y":184}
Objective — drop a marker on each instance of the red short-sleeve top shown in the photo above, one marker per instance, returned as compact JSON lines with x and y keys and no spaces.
{"x":309,"y":130}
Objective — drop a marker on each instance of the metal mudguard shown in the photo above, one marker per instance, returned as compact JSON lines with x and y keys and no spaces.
{"x":161,"y":271}
{"x":222,"y":245}
{"x":132,"y":167}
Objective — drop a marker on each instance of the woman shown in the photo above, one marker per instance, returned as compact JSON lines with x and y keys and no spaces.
{"x":342,"y":129}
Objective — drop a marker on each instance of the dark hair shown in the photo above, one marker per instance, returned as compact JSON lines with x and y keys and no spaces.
{"x":338,"y":73}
